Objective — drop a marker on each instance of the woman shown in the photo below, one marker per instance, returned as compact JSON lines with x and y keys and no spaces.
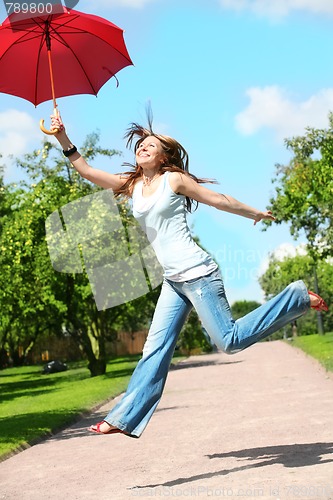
{"x":162,"y":190}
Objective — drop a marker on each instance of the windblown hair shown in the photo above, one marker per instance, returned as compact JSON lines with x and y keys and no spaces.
{"x":176,"y":160}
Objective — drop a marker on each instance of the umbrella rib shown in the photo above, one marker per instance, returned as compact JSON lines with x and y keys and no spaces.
{"x":32,"y":34}
{"x":79,"y":31}
{"x":22,"y":39}
{"x":37,"y":66}
{"x":28,"y":34}
{"x":38,"y":29}
{"x":61,"y":40}
{"x":55,"y":25}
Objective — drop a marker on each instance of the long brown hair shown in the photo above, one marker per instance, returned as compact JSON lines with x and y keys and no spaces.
{"x":176,"y":160}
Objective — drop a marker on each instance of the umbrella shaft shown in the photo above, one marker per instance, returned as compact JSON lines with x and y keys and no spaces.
{"x":47,"y":36}
{"x":48,"y":46}
{"x":51,"y":77}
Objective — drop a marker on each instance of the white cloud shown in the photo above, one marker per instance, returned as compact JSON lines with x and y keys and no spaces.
{"x":289,"y":250}
{"x":17,"y":129}
{"x":272,"y":107}
{"x":282,"y":252}
{"x":276,"y":9}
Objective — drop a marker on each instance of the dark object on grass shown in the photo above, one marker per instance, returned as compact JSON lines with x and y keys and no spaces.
{"x":54,"y":367}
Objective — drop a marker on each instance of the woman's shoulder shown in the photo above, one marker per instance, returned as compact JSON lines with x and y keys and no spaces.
{"x":175,"y":180}
{"x":136,"y":185}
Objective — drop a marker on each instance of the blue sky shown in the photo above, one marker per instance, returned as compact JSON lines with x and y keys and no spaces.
{"x":229,"y":79}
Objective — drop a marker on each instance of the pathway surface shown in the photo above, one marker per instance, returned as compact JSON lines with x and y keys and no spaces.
{"x":258,"y":424}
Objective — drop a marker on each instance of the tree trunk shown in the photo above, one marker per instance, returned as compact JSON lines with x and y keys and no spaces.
{"x":97,"y":367}
{"x":320,"y":324}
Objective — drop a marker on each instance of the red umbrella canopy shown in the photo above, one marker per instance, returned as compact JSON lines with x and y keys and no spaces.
{"x":87,"y":51}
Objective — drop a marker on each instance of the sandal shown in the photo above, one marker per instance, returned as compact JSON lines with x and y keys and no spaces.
{"x":110,"y":431}
{"x":321,"y":306}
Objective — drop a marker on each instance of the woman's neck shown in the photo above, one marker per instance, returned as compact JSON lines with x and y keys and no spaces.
{"x":150,"y":176}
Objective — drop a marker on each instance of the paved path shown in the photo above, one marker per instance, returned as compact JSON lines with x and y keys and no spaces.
{"x":258,"y":424}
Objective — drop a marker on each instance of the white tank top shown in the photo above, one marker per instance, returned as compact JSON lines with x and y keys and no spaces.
{"x":162,"y":217}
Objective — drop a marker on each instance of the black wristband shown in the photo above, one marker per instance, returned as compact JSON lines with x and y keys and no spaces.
{"x":70,"y":151}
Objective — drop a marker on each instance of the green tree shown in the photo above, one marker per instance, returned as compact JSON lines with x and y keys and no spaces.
{"x":29,"y":305}
{"x":304,"y":195}
{"x":34,"y":298}
{"x":304,"y":190}
{"x":281,"y":273}
{"x":242,"y":307}
{"x":4,"y":209}
{"x":192,"y":338}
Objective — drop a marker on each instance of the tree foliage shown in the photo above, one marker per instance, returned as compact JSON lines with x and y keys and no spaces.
{"x":281,"y":273}
{"x":304,"y":190}
{"x":192,"y":338}
{"x":304,"y":197}
{"x":242,"y":307}
{"x":34,"y":298}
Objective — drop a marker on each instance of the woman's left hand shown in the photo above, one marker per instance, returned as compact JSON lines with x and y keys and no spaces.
{"x":264,"y":215}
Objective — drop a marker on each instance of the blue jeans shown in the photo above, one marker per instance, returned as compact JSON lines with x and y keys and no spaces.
{"x":207,"y":296}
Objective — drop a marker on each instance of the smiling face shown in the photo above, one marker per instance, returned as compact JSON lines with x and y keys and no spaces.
{"x":149,"y":153}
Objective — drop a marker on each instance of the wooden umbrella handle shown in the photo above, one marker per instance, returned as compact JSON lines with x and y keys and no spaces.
{"x":47,"y":132}
{"x":56,"y":112}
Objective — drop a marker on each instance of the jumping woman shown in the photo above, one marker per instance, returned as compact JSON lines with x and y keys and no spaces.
{"x":163,"y":191}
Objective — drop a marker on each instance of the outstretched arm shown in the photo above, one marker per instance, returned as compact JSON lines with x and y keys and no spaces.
{"x":186,"y":186}
{"x":99,"y":177}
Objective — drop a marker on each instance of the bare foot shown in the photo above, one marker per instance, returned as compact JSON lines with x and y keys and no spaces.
{"x":316,"y":302}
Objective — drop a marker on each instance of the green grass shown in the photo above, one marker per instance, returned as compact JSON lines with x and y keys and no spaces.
{"x":33,"y":405}
{"x":318,"y":346}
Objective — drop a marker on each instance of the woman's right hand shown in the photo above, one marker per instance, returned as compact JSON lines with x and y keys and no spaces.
{"x":56,"y":124}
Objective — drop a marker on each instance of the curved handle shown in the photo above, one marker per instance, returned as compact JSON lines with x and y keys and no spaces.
{"x":47,"y":132}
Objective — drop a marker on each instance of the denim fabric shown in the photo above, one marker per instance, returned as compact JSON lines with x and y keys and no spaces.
{"x":207,"y":296}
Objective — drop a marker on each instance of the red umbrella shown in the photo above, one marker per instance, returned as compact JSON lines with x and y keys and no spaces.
{"x":59,"y":54}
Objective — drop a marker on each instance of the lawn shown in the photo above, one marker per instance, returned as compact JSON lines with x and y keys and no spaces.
{"x":318,"y":346}
{"x":33,"y":405}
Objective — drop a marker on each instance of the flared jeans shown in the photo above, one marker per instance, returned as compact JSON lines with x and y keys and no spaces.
{"x":206,"y":294}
